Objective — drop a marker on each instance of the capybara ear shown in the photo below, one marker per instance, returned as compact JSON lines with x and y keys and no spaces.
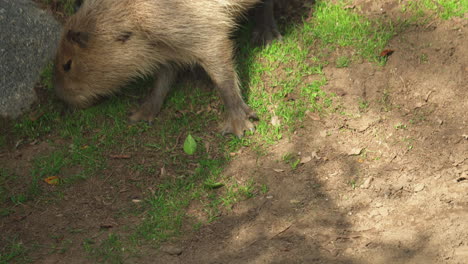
{"x":80,"y":38}
{"x":124,"y":36}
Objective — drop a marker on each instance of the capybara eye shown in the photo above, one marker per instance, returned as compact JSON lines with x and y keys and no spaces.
{"x":67,"y":66}
{"x":124,"y":36}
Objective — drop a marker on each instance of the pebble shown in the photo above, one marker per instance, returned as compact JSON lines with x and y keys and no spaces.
{"x":355,"y":151}
{"x":294,"y":201}
{"x":367,"y":183}
{"x":419,"y":187}
{"x":383,"y":212}
{"x":171,"y":250}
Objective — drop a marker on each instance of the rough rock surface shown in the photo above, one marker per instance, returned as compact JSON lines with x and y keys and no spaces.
{"x":28,"y":37}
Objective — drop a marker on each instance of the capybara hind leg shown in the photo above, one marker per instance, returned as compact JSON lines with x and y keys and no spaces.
{"x":153,"y":103}
{"x":220,"y":68}
{"x":265,"y":30}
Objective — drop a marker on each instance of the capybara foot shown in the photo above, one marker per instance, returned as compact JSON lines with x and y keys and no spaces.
{"x":264,"y":35}
{"x":237,"y":123}
{"x":142,"y":114}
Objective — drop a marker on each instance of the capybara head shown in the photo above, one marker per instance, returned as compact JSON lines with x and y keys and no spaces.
{"x":99,"y":52}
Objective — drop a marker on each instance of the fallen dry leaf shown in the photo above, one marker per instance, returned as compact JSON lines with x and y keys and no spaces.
{"x":52,"y":180}
{"x":35,"y":115}
{"x":278,"y":170}
{"x":315,"y":156}
{"x":386,"y":53}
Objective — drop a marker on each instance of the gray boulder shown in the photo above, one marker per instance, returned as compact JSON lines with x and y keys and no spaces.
{"x":28,"y":38}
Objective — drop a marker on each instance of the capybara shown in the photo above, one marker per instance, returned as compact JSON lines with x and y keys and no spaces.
{"x":107,"y":43}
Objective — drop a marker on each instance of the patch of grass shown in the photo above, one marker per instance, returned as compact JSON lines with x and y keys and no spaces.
{"x":363,"y":105}
{"x":64,"y":6}
{"x":400,"y":126}
{"x":7,"y":196}
{"x":385,"y":101}
{"x":86,"y":160}
{"x":335,"y":26}
{"x":110,"y":250}
{"x":292,"y":160}
{"x":423,"y":58}
{"x":166,"y":206}
{"x":237,"y":192}
{"x":13,"y":249}
{"x":47,"y":78}
{"x":353,"y":183}
{"x":343,"y":62}
{"x":409,"y":142}
{"x":445,"y":9}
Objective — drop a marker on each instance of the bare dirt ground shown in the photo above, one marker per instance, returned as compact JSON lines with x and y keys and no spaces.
{"x":386,"y":183}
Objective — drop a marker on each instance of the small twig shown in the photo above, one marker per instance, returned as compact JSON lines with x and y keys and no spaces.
{"x":282,"y":231}
{"x":177,"y":142}
{"x":120,"y":156}
{"x":430,"y":24}
{"x":427,"y":96}
{"x":403,"y":81}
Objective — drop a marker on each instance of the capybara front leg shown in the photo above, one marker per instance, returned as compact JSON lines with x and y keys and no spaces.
{"x":153,"y":103}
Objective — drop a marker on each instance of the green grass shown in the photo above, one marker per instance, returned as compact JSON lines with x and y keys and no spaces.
{"x":166,"y":206}
{"x":445,"y":9}
{"x":7,"y":196}
{"x":13,"y":250}
{"x":65,"y":6}
{"x":110,"y":250}
{"x":276,"y":82}
{"x":335,"y":26}
{"x":342,"y":62}
{"x":292,"y":159}
{"x":363,"y":105}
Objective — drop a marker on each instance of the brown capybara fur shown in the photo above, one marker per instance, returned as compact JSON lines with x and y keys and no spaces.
{"x":107,"y":43}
